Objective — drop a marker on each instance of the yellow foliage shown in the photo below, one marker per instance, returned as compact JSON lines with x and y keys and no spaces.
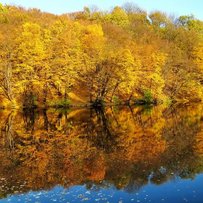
{"x":116,"y":56}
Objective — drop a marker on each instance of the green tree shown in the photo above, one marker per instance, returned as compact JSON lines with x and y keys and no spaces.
{"x":118,"y":16}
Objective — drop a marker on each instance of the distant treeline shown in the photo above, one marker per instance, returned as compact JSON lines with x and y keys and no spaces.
{"x":93,"y":57}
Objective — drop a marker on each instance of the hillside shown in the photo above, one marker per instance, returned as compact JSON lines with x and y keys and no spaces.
{"x":92,"y":57}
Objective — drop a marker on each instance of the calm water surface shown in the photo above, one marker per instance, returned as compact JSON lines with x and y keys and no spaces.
{"x":112,"y":155}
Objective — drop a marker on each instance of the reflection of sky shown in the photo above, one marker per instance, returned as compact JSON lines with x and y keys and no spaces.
{"x":173,"y":191}
{"x":178,"y":7}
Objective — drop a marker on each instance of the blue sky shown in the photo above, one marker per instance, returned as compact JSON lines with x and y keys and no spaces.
{"x":176,"y":7}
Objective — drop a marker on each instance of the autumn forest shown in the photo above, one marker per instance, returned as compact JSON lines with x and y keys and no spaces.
{"x":93,"y":57}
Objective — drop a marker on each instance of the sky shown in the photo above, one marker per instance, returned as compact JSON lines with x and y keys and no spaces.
{"x":174,"y":7}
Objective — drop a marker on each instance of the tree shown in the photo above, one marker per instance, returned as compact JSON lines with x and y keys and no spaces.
{"x":65,"y":55}
{"x":118,"y":17}
{"x":159,"y":19}
{"x":6,"y":70}
{"x":93,"y":41}
{"x":28,"y":59}
{"x":198,"y":56}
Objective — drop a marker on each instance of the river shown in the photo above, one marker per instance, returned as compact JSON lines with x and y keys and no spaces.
{"x":118,"y":154}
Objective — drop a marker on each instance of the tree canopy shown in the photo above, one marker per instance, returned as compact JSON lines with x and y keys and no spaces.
{"x":123,"y":55}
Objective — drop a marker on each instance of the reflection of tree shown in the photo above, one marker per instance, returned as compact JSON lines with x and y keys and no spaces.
{"x":125,"y":148}
{"x":7,"y":131}
{"x":29,"y":116}
{"x":100,"y":131}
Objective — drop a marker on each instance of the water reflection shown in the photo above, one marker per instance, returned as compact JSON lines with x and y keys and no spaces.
{"x":126,"y":148}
